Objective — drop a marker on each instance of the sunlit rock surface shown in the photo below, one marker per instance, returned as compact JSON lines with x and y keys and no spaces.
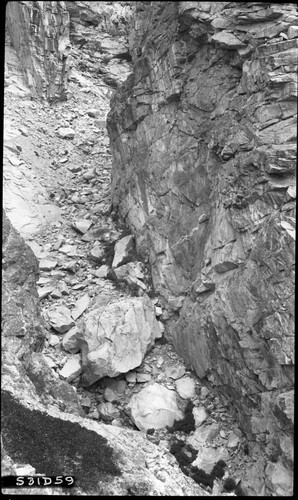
{"x":115,"y":336}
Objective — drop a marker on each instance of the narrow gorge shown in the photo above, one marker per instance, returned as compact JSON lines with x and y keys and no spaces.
{"x":148,"y":251}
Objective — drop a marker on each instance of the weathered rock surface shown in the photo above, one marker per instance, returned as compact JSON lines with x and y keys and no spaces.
{"x":154,"y":407}
{"x":47,"y":385}
{"x":114,"y":337}
{"x":72,"y":368}
{"x":203,"y":139}
{"x":122,"y":250}
{"x":24,"y":368}
{"x":185,"y":387}
{"x":51,"y":415}
{"x":40,"y":35}
{"x":60,"y":319}
{"x":22,"y":323}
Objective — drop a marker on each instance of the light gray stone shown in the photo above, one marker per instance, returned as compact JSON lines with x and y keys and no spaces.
{"x":131,"y":377}
{"x":122,"y":250}
{"x":203,"y":435}
{"x":97,"y":252}
{"x":56,"y":294}
{"x":71,"y":266}
{"x":200,"y":415}
{"x":233,"y":441}
{"x":186,"y":387}
{"x":54,"y":340}
{"x":93,"y":113}
{"x":293,"y":32}
{"x":47,"y":264}
{"x":207,"y":457}
{"x":116,"y":337}
{"x":72,"y":368}
{"x":66,"y":132}
{"x":102,"y":272}
{"x":60,"y":319}
{"x":108,"y":411}
{"x":110,"y":395}
{"x":228,"y":40}
{"x":279,"y":479}
{"x":70,"y":341}
{"x":143,"y":377}
{"x":82,"y":225}
{"x":175,"y":371}
{"x":154,"y":407}
{"x":80,"y":306}
{"x":44,"y":291}
{"x":68,"y":249}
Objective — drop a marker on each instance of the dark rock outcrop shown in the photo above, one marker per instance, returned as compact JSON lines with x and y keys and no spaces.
{"x":203,"y":138}
{"x":39,"y":31}
{"x":24,"y":368}
{"x":22,"y":324}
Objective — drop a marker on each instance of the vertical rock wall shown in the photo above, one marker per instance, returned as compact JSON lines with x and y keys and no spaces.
{"x":22,"y":324}
{"x":39,"y":31}
{"x":203,"y":138}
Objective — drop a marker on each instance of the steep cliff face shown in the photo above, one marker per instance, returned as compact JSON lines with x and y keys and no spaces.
{"x":22,"y":325}
{"x":203,"y":139}
{"x":39,"y":31}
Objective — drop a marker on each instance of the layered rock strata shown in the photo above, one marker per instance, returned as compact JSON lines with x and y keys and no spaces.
{"x":39,"y":31}
{"x":203,"y":139}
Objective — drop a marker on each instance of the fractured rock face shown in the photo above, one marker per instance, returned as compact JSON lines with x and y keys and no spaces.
{"x":40,"y":35}
{"x":154,"y":407}
{"x":203,"y":139}
{"x":115,"y":337}
{"x":22,"y":324}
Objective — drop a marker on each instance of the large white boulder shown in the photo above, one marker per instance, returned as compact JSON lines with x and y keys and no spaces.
{"x":186,"y":387}
{"x":154,"y":407}
{"x":114,"y":337}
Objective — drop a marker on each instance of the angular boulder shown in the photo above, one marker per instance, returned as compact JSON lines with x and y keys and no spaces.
{"x":114,"y":337}
{"x":186,"y":387}
{"x":154,"y":407}
{"x":66,"y":133}
{"x":208,"y":457}
{"x":122,"y":249}
{"x":80,"y":306}
{"x":82,"y":225}
{"x":60,"y":319}
{"x":70,"y":341}
{"x":72,"y":369}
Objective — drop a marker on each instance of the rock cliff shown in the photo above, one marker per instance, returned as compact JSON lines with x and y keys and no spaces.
{"x":203,"y":140}
{"x":41,"y":41}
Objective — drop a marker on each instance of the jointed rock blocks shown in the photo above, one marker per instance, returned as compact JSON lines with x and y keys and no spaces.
{"x":22,"y":324}
{"x":203,"y":138}
{"x":40,"y":34}
{"x":115,"y":336}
